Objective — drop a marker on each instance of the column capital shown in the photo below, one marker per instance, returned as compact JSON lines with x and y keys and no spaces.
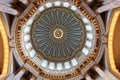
{"x":87,"y":76}
{"x":32,"y":78}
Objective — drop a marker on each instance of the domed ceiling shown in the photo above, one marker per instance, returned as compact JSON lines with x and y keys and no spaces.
{"x":58,"y":39}
{"x":57,"y":33}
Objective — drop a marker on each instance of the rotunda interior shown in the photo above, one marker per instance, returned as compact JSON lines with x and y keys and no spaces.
{"x":59,"y":39}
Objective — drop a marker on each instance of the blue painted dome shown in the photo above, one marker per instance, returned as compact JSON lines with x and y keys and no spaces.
{"x":57,"y":33}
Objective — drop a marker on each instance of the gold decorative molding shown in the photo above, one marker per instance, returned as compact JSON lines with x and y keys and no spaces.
{"x":114,"y":19}
{"x":5,"y":47}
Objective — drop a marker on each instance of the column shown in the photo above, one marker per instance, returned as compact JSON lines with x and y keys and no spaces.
{"x":6,"y":7}
{"x":107,"y":1}
{"x":109,"y":6}
{"x":19,"y":74}
{"x":9,"y":1}
{"x":102,"y":73}
{"x":87,"y":77}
